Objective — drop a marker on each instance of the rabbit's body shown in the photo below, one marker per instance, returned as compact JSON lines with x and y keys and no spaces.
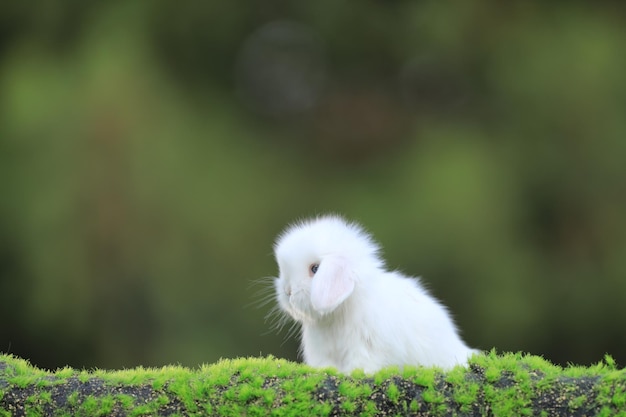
{"x":355,"y":314}
{"x":395,"y":322}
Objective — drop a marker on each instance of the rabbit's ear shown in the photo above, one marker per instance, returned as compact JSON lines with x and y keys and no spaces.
{"x":331,"y":285}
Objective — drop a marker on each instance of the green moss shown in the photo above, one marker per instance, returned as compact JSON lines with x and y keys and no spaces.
{"x":72,"y":399}
{"x":323,"y":409}
{"x":348,"y":406}
{"x":369,"y":408}
{"x":22,"y":381}
{"x":456,"y":375}
{"x":577,"y":402}
{"x":106,"y":404}
{"x":230,"y":409}
{"x":143,"y":410}
{"x":465,"y":395}
{"x":492,"y":374}
{"x":385,"y":374}
{"x":544,"y":385}
{"x":501,"y":384}
{"x":246,"y":393}
{"x":619,"y":399}
{"x":347,"y":389}
{"x":126,"y":401}
{"x":34,"y":408}
{"x":604,"y":395}
{"x":424,"y":377}
{"x":393,"y":393}
{"x":363,"y":391}
{"x":610,"y":362}
{"x":431,"y":395}
{"x":605,"y":412}
{"x":64,"y":373}
{"x":45,"y":397}
{"x":89,"y":406}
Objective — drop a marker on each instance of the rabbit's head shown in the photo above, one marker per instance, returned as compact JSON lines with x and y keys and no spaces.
{"x":321,"y":262}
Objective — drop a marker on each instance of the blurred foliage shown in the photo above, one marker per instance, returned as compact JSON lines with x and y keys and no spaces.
{"x":150,"y":152}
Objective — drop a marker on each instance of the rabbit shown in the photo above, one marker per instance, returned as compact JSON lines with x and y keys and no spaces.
{"x":354,"y":314}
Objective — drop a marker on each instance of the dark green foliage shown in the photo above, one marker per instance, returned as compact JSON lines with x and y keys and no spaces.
{"x":151,"y":151}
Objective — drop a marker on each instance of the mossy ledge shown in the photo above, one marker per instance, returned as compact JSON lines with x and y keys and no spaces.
{"x":493,"y":384}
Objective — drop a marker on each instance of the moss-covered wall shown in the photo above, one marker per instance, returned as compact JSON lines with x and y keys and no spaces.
{"x":498,"y":385}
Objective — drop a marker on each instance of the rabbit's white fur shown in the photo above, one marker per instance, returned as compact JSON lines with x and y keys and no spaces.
{"x":355,"y":314}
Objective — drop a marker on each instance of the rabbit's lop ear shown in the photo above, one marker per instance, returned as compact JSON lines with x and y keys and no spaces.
{"x":331,"y":285}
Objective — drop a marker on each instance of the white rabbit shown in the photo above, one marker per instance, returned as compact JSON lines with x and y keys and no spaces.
{"x":354,"y":313}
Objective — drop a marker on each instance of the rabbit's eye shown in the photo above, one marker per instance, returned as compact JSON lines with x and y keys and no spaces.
{"x":313,"y":269}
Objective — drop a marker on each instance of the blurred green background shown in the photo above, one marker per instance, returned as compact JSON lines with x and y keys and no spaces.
{"x":150,"y":152}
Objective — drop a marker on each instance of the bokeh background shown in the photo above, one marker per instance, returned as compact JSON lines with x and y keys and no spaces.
{"x":150,"y":152}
